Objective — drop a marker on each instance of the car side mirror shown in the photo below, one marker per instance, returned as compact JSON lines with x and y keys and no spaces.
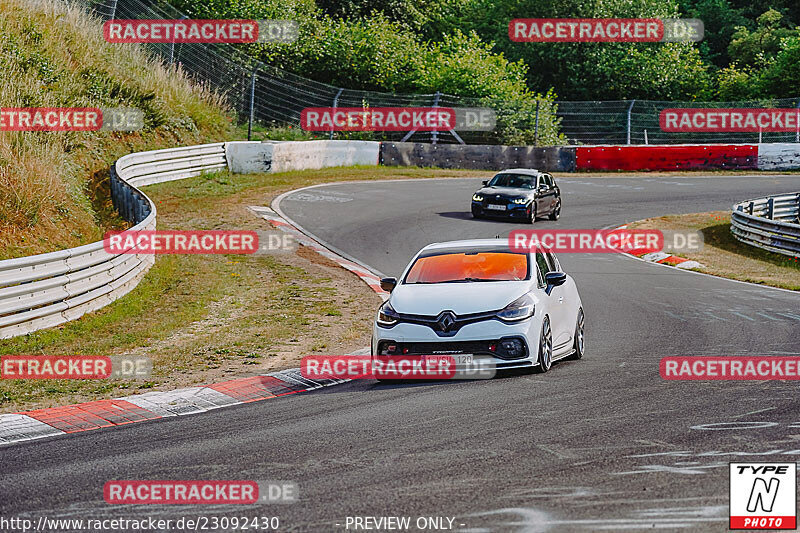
{"x":486,"y":182}
{"x":554,"y":279}
{"x":542,"y":188}
{"x":388,"y":284}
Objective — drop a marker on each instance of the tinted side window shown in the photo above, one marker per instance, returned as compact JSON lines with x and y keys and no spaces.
{"x":544,"y":268}
{"x":553,"y":262}
{"x":549,"y":179}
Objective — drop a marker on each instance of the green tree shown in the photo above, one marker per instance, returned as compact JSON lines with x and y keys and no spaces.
{"x":782,"y":77}
{"x":590,"y":71}
{"x":720,"y":20}
{"x":756,"y":48}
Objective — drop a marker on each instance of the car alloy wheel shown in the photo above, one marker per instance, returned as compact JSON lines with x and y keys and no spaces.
{"x":578,"y":345}
{"x":545,"y":347}
{"x":556,"y":212}
{"x":530,"y":214}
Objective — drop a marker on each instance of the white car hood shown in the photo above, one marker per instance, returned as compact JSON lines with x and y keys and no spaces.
{"x":461,"y":298}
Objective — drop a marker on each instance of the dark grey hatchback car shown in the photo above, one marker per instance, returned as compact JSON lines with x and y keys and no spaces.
{"x":518,"y":193}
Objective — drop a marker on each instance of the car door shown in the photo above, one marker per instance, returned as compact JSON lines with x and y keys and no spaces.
{"x":560,"y":322}
{"x":551,"y":193}
{"x":542,"y":199}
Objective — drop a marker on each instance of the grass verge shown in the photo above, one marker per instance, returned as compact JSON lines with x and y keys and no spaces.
{"x":726,"y":257}
{"x":207,"y":318}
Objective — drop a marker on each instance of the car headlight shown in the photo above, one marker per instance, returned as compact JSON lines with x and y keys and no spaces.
{"x":520,"y":309}
{"x":387,"y":316}
{"x":520,"y":200}
{"x":477,"y":197}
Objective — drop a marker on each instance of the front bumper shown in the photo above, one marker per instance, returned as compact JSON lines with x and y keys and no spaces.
{"x":511,"y":210}
{"x":490,"y":339}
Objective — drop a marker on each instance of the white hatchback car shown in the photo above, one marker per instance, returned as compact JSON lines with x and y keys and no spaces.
{"x":481,"y":297}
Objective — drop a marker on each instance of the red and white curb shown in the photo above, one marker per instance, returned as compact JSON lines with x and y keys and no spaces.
{"x":664,"y":258}
{"x":369,"y":277}
{"x":40,"y":423}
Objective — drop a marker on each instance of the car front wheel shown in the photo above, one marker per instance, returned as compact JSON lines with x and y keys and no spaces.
{"x":579,"y":344}
{"x":545,"y":347}
{"x":530,"y":215}
{"x":556,"y":212}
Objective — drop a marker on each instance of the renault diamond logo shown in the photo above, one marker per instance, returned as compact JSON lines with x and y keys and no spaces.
{"x":446,"y":320}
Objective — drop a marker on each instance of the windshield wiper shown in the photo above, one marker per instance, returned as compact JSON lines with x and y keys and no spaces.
{"x":466,"y":280}
{"x":462,"y":280}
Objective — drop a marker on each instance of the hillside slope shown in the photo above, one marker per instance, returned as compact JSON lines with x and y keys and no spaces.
{"x":54,"y":189}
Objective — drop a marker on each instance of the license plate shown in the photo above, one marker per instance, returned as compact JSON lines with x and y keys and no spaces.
{"x":457,"y":358}
{"x":463,"y":359}
{"x":496,"y":207}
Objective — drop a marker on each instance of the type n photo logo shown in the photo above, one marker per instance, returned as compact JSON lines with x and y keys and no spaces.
{"x":763,"y":496}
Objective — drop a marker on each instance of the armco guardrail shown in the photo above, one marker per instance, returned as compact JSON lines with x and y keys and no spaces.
{"x":770,"y":223}
{"x":45,"y":290}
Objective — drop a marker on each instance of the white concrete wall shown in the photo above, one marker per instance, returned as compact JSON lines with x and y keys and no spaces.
{"x":309,"y":155}
{"x":246,"y":157}
{"x":778,"y":156}
{"x":279,"y":156}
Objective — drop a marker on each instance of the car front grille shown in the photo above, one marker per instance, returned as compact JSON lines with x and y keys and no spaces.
{"x":495,"y":347}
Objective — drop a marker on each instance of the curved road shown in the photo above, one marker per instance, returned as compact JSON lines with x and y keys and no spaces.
{"x":599,"y":444}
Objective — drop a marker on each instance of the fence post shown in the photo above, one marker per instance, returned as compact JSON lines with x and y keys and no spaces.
{"x":797,"y":121}
{"x":629,"y":120}
{"x":435,"y":133}
{"x":797,"y":201}
{"x":113,"y":9}
{"x":536,"y":126}
{"x":171,"y":45}
{"x":645,"y":137}
{"x":252,"y":102}
{"x":113,"y":185}
{"x":771,"y":208}
{"x":335,"y":103}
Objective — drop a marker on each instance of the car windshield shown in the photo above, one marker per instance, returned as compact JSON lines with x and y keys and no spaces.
{"x":468,"y":267}
{"x":513,"y":180}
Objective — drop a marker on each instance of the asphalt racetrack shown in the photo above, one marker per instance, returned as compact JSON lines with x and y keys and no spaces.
{"x":599,"y":444}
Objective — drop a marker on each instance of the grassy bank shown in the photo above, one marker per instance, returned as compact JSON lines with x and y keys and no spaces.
{"x":724,"y":256}
{"x":54,"y":190}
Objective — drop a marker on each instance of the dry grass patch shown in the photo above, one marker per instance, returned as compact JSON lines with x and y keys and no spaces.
{"x":724,"y":256}
{"x":54,"y":185}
